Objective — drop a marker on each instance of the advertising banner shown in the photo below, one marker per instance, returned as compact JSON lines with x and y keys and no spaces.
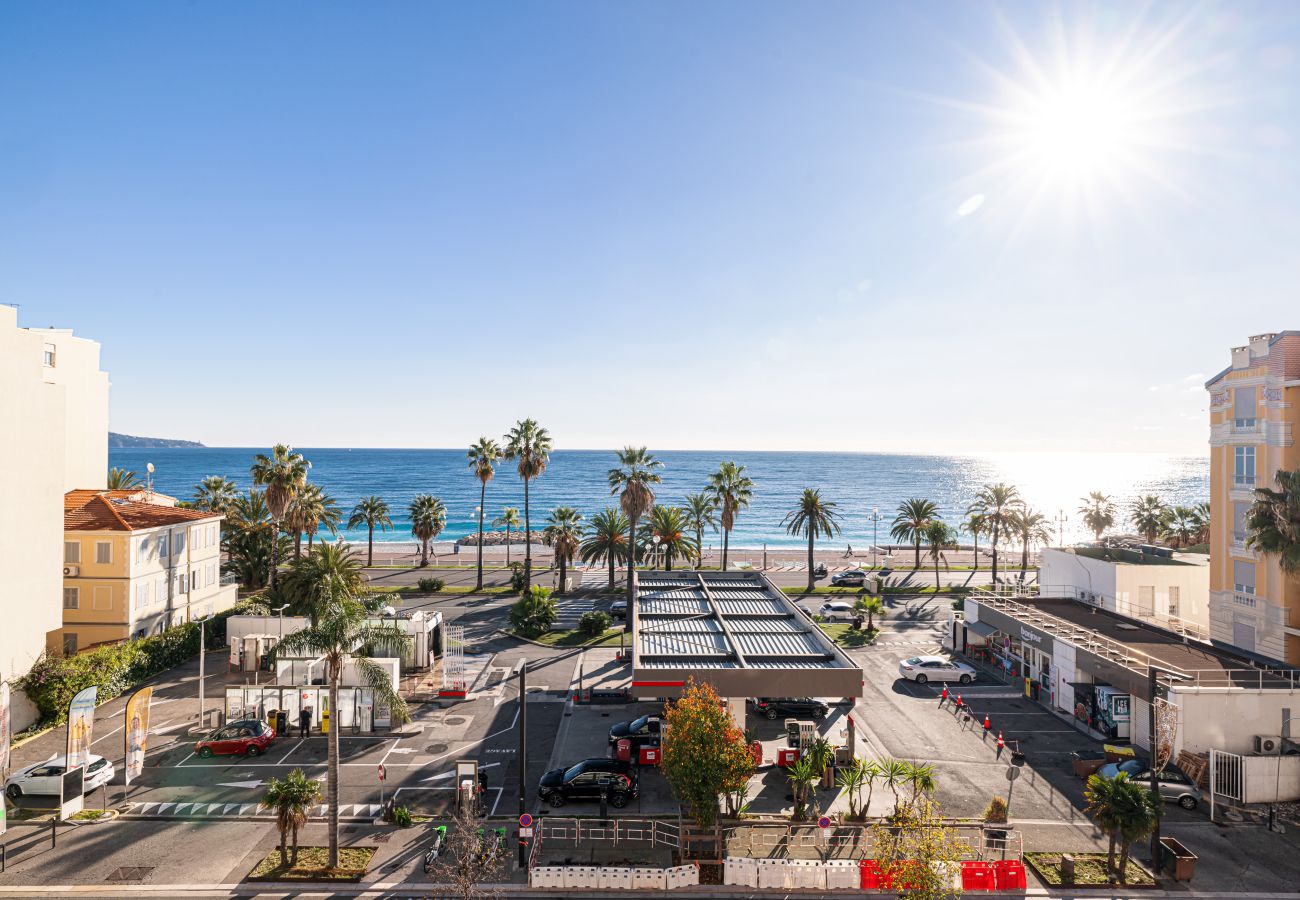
{"x":137,"y":731}
{"x":81,"y":726}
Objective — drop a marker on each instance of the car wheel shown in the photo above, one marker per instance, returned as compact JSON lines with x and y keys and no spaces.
{"x":556,"y":801}
{"x":252,"y":750}
{"x":206,"y":752}
{"x":1188,"y":802}
{"x":922,"y":679}
{"x":965,"y":679}
{"x":618,"y":801}
{"x":14,"y":791}
{"x":770,"y":714}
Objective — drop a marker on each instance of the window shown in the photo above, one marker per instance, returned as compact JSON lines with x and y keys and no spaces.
{"x":1239,"y":513}
{"x":1243,"y":405}
{"x":180,"y":583}
{"x":194,"y":580}
{"x":51,"y":355}
{"x":160,"y":591}
{"x":141,"y":595}
{"x":71,"y":552}
{"x":162,"y":547}
{"x":141,"y":549}
{"x":1243,"y":577}
{"x":103,"y":553}
{"x":180,"y":543}
{"x":71,"y":598}
{"x":69,"y":643}
{"x":1243,"y":473}
{"x":1174,"y":597}
{"x":102,"y":598}
{"x":212,"y":535}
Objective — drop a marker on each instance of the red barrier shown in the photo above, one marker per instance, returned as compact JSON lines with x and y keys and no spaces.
{"x":871,"y":876}
{"x":1010,"y":875}
{"x":649,"y":756}
{"x":977,"y":876}
{"x":787,"y":756}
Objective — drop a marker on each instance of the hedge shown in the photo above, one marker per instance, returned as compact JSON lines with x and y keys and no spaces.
{"x":116,"y":668}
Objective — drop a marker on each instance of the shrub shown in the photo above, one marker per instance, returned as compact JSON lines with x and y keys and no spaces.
{"x":400,"y":816}
{"x":534,"y":613}
{"x":431,"y":585}
{"x":595,"y":622}
{"x":997,"y":811}
{"x":517,"y":580}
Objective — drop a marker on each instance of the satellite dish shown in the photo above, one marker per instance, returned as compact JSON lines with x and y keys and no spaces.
{"x":149,"y":468}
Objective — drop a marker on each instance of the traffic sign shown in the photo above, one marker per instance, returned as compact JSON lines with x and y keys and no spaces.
{"x":1012,"y":773}
{"x":824,"y":822}
{"x":525,"y":820}
{"x":382,"y":772}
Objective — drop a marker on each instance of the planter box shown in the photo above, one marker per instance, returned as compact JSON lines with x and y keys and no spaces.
{"x":1177,"y":859}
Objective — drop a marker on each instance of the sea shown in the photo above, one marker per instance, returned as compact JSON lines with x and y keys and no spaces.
{"x":867,"y":487}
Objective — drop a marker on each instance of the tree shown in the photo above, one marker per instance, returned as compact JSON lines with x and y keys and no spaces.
{"x":802,"y":776}
{"x":534,"y":612}
{"x":996,"y":503}
{"x":668,"y":525}
{"x":529,"y":445}
{"x":373,"y":513}
{"x":939,"y":537}
{"x":1098,"y":513}
{"x":1125,"y":811}
{"x":340,"y":631}
{"x":894,"y":772}
{"x":812,"y":517}
{"x":470,"y":856}
{"x":1180,"y":526}
{"x":920,"y":778}
{"x":974,"y":525}
{"x":250,"y":539}
{"x":704,"y":753}
{"x":563,"y":535}
{"x":283,"y":474}
{"x":1273,"y":521}
{"x":312,"y":581}
{"x":1202,"y":514}
{"x":483,"y":455}
{"x":428,"y":518}
{"x":1148,"y":515}
{"x":914,"y":516}
{"x":1031,"y":527}
{"x":292,"y":799}
{"x":732,"y":491}
{"x":123,"y":480}
{"x":701,"y":511}
{"x":510,"y":519}
{"x":216,"y":493}
{"x":311,"y":508}
{"x":918,"y":851}
{"x":606,"y":540}
{"x":632,"y":480}
{"x":872,"y":607}
{"x":853,"y":779}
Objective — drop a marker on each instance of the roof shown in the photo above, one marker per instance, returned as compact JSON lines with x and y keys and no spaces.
{"x":79,"y":498}
{"x":114,"y":511}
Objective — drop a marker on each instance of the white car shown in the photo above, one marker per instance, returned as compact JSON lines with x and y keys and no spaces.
{"x":831,"y":607}
{"x":935,"y":668}
{"x":44,"y":777}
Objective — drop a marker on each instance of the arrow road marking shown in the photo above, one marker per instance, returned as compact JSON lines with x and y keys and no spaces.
{"x":242,"y":784}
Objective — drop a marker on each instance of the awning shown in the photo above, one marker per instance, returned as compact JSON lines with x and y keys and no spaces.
{"x":978,"y":632}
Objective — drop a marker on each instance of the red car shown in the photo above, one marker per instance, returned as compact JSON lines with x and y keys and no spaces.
{"x":248,"y":738}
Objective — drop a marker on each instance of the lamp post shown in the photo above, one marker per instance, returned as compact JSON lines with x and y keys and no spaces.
{"x":875,"y":523}
{"x":1277,"y":787}
{"x":654,"y":551}
{"x":1153,"y":673}
{"x":1061,"y":519}
{"x":203,"y":647}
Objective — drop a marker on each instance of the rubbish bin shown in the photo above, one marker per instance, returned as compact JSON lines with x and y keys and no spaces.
{"x":1177,"y":859}
{"x":281,"y":725}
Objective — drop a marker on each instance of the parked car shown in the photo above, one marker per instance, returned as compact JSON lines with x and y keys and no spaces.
{"x":45,"y":777}
{"x":618,"y":609}
{"x":832,"y":607}
{"x":851,"y":578}
{"x":248,"y":737}
{"x":1174,"y":784}
{"x":642,"y":732}
{"x":791,"y":707}
{"x":935,"y":668}
{"x":584,"y":781}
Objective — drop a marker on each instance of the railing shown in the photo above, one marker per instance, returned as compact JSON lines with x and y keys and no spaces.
{"x":1258,"y":679}
{"x":229,"y":578}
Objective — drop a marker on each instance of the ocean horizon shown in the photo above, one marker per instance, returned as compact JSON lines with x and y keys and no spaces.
{"x":1050,"y":482}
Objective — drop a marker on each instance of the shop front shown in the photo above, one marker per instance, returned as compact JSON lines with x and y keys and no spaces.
{"x":1023,"y":654}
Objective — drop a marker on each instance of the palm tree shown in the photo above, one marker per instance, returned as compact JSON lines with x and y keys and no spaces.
{"x":1103,"y":799}
{"x":975,"y":525}
{"x":428,"y":518}
{"x":1148,"y":516}
{"x":1273,"y":521}
{"x":282,"y":473}
{"x":894,"y":773}
{"x":851,"y":779}
{"x":250,"y":539}
{"x":1180,"y":526}
{"x":340,"y":636}
{"x":606,"y":540}
{"x":1098,"y":513}
{"x":996,"y":503}
{"x":563,"y":535}
{"x":701,"y":509}
{"x":812,"y":517}
{"x":872,"y":607}
{"x":802,"y":776}
{"x":920,"y":778}
{"x":732,"y":491}
{"x":939,"y":537}
{"x":215,"y":493}
{"x":317,"y":508}
{"x":666,"y":532}
{"x":1125,"y":810}
{"x":510,"y":519}
{"x":631,"y":479}
{"x":530,"y":446}
{"x":914,"y":516}
{"x":1031,"y":527}
{"x":371,"y":512}
{"x":326,"y":571}
{"x":483,"y":455}
{"x":123,"y":480}
{"x":292,"y":798}
{"x":1202,"y":513}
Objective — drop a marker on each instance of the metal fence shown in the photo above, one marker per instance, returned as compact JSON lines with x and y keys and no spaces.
{"x":1227,"y":778}
{"x":572,"y":832}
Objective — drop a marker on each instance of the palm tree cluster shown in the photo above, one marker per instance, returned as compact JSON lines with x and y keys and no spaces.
{"x":907,"y":781}
{"x":1125,"y":811}
{"x":1179,"y":526}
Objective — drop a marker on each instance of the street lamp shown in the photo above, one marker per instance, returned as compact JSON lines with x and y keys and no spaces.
{"x":1061,"y":519}
{"x":654,"y":552}
{"x":875,"y":522}
{"x":1277,"y":787}
{"x":203,"y":646}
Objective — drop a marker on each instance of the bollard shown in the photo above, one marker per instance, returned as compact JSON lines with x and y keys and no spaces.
{"x":1067,"y":870}
{"x":959,"y":703}
{"x":54,"y":824}
{"x":986,"y":723}
{"x":943,"y":698}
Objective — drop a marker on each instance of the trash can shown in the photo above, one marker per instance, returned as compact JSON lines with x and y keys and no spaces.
{"x":281,"y":725}
{"x":1176,"y":859}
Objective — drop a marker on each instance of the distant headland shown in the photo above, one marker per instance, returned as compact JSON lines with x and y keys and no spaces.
{"x":123,"y":441}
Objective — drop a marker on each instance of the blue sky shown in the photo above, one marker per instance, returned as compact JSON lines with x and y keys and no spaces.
{"x":857,"y":226}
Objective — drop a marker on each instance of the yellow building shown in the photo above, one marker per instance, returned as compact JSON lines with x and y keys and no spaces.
{"x":1254,"y":415}
{"x":136,"y":564}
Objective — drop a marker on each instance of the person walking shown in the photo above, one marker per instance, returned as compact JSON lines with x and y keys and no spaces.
{"x":304,"y":721}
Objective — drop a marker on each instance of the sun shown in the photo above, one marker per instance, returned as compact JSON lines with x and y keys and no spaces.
{"x":1078,"y":129}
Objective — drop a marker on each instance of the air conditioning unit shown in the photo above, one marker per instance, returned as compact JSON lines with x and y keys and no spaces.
{"x":71,"y":571}
{"x":1268,"y":744}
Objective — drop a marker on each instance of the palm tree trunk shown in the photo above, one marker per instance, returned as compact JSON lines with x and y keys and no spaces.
{"x":275,"y":549}
{"x":936,"y":573}
{"x":631,"y":566}
{"x":1123,"y":862}
{"x":284,"y":847}
{"x":1024,"y":553}
{"x":995,"y":554}
{"x":297,"y":544}
{"x":1110,"y":857}
{"x":726,"y":543}
{"x":507,"y":545}
{"x":293,"y":858}
{"x":611,"y":569}
{"x":812,"y":582}
{"x":528,"y":543}
{"x":917,"y":548}
{"x":424,"y":552}
{"x":311,"y":539}
{"x":482,"y":498}
{"x":563,"y":570}
{"x":332,"y":778}
{"x":699,"y":548}
{"x":975,"y":537}
{"x":370,"y":547}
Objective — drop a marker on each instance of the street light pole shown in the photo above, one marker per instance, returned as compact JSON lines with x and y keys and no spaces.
{"x":1277,"y":787}
{"x":203,"y":646}
{"x":523,"y":753}
{"x":1154,"y":740}
{"x":875,"y":522}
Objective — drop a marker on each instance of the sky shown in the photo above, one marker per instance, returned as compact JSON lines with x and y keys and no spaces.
{"x":940,"y":227}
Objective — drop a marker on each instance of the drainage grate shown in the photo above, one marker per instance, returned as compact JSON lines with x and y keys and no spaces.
{"x":436,"y":748}
{"x":455,"y":721}
{"x":130,"y":873}
{"x":381,"y":838}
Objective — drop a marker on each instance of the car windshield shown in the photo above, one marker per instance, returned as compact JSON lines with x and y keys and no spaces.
{"x":914,"y":661}
{"x":574,"y":771}
{"x":97,"y":765}
{"x":639,"y":724}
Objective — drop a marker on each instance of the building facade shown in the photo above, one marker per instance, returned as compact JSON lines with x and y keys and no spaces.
{"x":135,"y":564}
{"x":54,"y":415}
{"x":1254,"y":413}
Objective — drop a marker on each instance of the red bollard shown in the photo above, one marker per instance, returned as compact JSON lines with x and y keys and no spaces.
{"x":1001,"y":743}
{"x":986,"y":722}
{"x":944,"y":696}
{"x":959,"y":703}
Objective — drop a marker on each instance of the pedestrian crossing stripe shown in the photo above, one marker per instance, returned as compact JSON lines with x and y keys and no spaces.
{"x":241,"y":810}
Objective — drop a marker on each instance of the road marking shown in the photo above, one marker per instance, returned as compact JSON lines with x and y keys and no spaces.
{"x":109,"y":735}
{"x":291,"y":749}
{"x":241,"y":784}
{"x":402,"y":750}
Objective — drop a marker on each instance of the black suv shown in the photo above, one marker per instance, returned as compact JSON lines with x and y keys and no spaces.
{"x":584,"y":781}
{"x":775,"y":707}
{"x":643,"y":732}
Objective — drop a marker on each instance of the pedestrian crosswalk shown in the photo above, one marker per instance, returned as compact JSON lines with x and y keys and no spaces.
{"x":173,"y":810}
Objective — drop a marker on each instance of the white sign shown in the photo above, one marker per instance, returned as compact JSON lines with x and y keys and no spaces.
{"x":1030,"y":636}
{"x":525,"y":832}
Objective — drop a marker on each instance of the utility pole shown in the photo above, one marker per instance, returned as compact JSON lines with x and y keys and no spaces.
{"x":1157,"y":803}
{"x":523,"y":752}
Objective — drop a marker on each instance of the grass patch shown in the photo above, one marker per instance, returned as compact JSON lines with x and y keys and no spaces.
{"x":576,"y":638}
{"x":88,"y":815}
{"x":353,"y":862}
{"x":23,"y":814}
{"x":1089,"y":869}
{"x":414,"y":590}
{"x":847,"y":636}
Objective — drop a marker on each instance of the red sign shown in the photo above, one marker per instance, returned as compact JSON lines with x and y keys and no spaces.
{"x":382,"y":773}
{"x":525,"y":820}
{"x":824,"y":822}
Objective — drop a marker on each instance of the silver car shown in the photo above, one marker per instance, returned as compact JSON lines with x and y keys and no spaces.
{"x":1174,"y":785}
{"x":935,"y":668}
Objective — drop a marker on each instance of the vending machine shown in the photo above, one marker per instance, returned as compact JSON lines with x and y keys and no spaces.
{"x":1114,"y":710}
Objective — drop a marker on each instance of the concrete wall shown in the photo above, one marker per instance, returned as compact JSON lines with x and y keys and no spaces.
{"x":1271,"y":779}
{"x":1060,"y":568}
{"x":1118,"y":586}
{"x":1229,"y":718}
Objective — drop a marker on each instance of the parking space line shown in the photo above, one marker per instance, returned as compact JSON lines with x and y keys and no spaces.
{"x":109,"y":735}
{"x":290,"y":753}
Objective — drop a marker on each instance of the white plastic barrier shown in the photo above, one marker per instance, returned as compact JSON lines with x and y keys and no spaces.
{"x":804,"y":873}
{"x":546,"y":877}
{"x":683,"y":876}
{"x":615,"y":879}
{"x":771,"y":873}
{"x":581,"y":877}
{"x":740,"y":870}
{"x":649,"y":879}
{"x":841,"y":873}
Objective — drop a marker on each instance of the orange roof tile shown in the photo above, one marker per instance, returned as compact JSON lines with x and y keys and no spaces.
{"x":79,"y":498}
{"x":103,"y":512}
